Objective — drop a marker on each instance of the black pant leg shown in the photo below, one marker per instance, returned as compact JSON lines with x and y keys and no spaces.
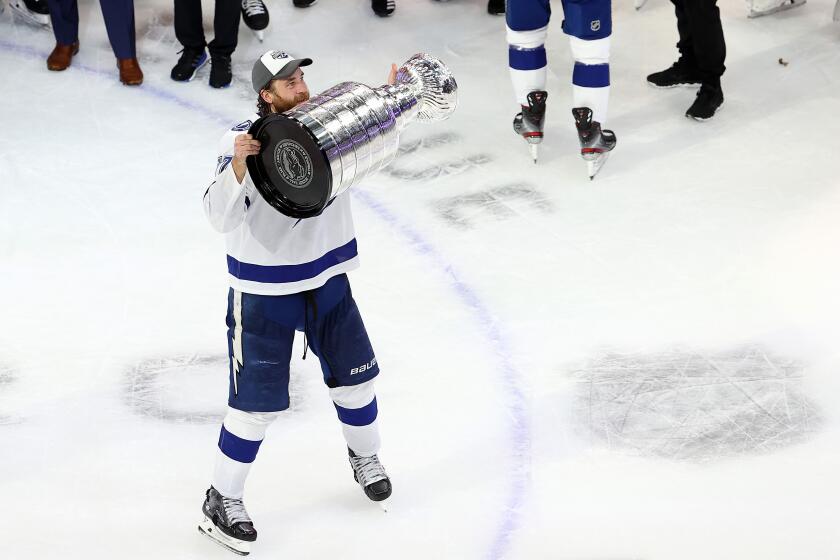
{"x":686,"y":43}
{"x":707,"y":37}
{"x":189,"y":29}
{"x":226,"y":27}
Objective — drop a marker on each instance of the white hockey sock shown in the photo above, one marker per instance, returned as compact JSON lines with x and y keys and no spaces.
{"x":527,"y":61}
{"x":240,"y":439}
{"x":591,"y":76}
{"x":357,"y":412}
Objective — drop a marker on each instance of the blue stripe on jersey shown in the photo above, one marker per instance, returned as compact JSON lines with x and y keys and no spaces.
{"x":591,"y":75}
{"x":527,"y":59}
{"x":358,"y":416}
{"x":238,"y":449}
{"x":278,"y":274}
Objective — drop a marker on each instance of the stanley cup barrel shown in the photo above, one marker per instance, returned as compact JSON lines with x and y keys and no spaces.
{"x":316,"y":151}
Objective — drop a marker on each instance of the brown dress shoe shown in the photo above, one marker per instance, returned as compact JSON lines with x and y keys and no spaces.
{"x":61,"y":56}
{"x":130,"y":73}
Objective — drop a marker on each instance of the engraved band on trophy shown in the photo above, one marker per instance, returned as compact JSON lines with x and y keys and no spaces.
{"x":322,"y":147}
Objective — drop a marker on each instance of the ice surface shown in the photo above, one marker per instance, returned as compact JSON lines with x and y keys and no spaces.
{"x":690,"y":290}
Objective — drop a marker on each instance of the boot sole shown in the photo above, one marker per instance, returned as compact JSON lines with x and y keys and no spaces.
{"x":687,"y":85}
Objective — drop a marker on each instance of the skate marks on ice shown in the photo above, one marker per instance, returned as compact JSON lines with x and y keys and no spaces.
{"x":186,"y":389}
{"x":497,"y":203}
{"x":426,"y":158}
{"x":695,"y":406}
{"x":7,"y":378}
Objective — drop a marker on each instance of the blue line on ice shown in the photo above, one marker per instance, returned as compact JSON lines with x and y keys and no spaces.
{"x":518,"y":406}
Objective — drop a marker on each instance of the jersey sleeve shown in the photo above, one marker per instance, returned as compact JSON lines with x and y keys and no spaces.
{"x":226,"y":200}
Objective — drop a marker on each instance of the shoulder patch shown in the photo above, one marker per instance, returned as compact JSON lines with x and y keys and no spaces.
{"x":243,"y":126}
{"x":222,"y":162}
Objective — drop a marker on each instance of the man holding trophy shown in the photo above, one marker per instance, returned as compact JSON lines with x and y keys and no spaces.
{"x":280,"y":196}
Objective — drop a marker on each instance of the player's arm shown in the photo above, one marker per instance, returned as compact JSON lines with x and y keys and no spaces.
{"x":227,"y":198}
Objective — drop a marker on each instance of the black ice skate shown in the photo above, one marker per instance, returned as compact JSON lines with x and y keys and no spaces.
{"x":35,"y":12}
{"x":371,"y":476}
{"x":595,"y":144}
{"x":255,"y":16}
{"x":529,"y":123}
{"x":227,"y":523}
{"x":383,"y":8}
{"x":758,"y":8}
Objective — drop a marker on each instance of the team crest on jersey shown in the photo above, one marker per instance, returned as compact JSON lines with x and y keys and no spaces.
{"x":243,"y":126}
{"x":595,"y":25}
{"x":222,"y":162}
{"x":293,"y":163}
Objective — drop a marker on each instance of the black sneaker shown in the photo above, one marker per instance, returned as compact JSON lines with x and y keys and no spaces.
{"x":303,"y":3}
{"x":191,"y":60}
{"x":220,"y":73}
{"x":383,"y":8}
{"x":496,"y":7}
{"x":679,"y":74}
{"x":709,"y":99}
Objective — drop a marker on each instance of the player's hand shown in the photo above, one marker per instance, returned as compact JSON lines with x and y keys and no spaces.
{"x":392,"y":75}
{"x":244,"y":145}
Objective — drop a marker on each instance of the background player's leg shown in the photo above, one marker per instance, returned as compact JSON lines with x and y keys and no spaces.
{"x":527,"y":27}
{"x":588,"y":23}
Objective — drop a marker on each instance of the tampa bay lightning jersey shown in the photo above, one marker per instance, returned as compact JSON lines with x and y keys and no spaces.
{"x":269,"y":253}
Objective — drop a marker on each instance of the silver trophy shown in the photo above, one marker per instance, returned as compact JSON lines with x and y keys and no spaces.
{"x":316,"y":151}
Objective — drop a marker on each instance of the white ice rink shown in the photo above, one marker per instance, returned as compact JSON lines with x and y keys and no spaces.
{"x":643,"y":367}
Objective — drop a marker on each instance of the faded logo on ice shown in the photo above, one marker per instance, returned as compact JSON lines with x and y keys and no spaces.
{"x":293,"y":163}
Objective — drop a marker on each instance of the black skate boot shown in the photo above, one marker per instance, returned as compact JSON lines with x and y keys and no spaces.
{"x":496,"y":7}
{"x":679,"y":74}
{"x":255,"y":16}
{"x":383,"y":8}
{"x":303,"y":3}
{"x":191,"y":60}
{"x":595,"y":144}
{"x":371,"y":476}
{"x":227,"y":523}
{"x":708,"y":101}
{"x":529,"y":123}
{"x":220,"y":72}
{"x":36,"y":12}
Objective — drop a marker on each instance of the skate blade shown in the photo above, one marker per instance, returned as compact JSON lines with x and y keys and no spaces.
{"x":38,"y":20}
{"x":385,"y":505}
{"x":786,"y":6}
{"x":260,"y":35}
{"x":207,"y":528}
{"x":535,"y":151}
{"x":640,"y":3}
{"x":594,"y":165}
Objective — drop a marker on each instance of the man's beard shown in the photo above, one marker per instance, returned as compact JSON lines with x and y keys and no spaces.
{"x":283,"y":105}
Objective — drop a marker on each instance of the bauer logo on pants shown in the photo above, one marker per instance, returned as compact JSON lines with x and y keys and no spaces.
{"x":293,"y":163}
{"x":595,"y":25}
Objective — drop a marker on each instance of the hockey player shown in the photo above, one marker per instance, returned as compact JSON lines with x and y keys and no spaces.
{"x":255,"y":16}
{"x":588,"y":23}
{"x":285,"y":275}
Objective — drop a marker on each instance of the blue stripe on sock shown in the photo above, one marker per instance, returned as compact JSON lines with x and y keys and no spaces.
{"x":238,"y":449}
{"x":527,"y":59}
{"x":358,"y":416}
{"x":591,"y":75}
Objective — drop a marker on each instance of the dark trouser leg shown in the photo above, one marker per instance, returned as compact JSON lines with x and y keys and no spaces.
{"x":703,"y":17}
{"x":189,"y":29}
{"x":686,"y":44}
{"x":119,"y":22}
{"x":225,"y":27}
{"x":65,"y":20}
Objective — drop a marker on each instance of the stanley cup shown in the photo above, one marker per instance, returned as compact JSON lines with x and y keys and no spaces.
{"x":322,"y":147}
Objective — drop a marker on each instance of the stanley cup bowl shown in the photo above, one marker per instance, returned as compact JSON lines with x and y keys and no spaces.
{"x":316,"y":151}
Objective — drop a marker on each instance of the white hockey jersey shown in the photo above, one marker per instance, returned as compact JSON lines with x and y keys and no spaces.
{"x":269,"y":253}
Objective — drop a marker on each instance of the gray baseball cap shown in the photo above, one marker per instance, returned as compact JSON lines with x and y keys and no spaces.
{"x":275,"y":64}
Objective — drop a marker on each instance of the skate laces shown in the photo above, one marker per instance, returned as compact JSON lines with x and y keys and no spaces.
{"x":235,"y":511}
{"x":253,"y":7}
{"x":368,"y":469}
